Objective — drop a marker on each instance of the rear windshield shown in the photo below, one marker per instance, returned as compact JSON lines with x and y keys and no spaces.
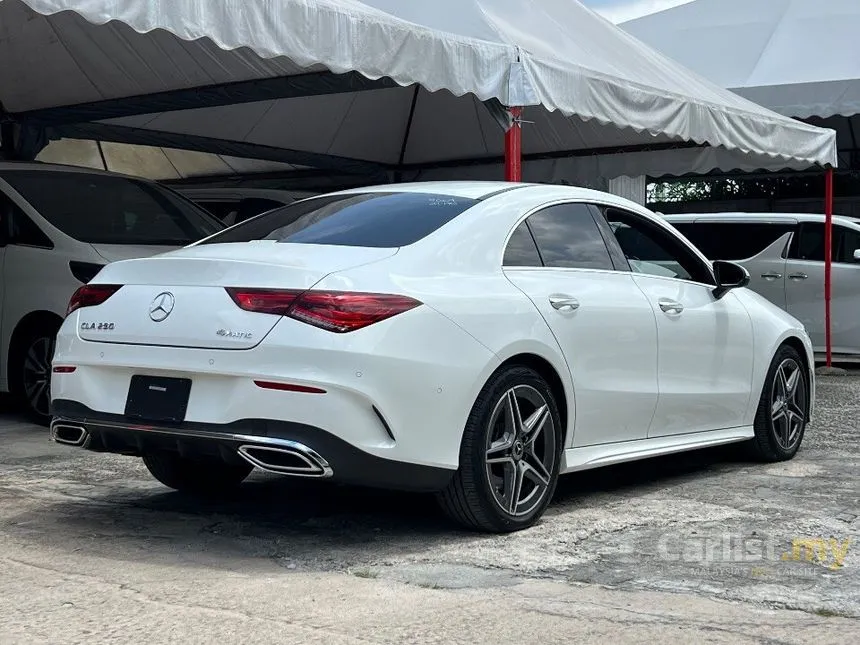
{"x":105,"y":209}
{"x":384,"y":220}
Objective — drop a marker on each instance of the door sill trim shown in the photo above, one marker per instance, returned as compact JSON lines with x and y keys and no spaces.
{"x":587,"y":457}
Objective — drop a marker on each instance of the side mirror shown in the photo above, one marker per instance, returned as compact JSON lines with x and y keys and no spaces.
{"x":729,"y":276}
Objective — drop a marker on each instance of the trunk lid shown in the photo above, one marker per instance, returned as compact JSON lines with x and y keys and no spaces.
{"x":178,"y":299}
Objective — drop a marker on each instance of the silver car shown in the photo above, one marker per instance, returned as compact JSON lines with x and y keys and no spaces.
{"x":784,"y":254}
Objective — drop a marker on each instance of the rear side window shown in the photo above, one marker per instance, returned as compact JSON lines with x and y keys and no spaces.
{"x":383,"y":220}
{"x":521,"y":251}
{"x":17,"y":228}
{"x":733,"y":240}
{"x":567,"y":237}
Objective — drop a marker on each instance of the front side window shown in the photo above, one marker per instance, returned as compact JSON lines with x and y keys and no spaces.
{"x":733,"y":240}
{"x":110,"y":209}
{"x":382,"y":220}
{"x":809,"y":244}
{"x":652,"y":250}
{"x":568,"y":237}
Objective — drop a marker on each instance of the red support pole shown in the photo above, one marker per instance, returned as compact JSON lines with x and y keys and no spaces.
{"x":828,"y":260}
{"x":514,"y":147}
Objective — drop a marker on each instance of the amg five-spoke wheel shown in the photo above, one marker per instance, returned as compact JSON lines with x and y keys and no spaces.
{"x":788,"y":403}
{"x":509,"y":458}
{"x":783,"y":410}
{"x":522,"y":451}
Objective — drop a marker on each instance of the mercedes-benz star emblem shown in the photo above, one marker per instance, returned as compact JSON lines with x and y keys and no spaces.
{"x":161,"y":306}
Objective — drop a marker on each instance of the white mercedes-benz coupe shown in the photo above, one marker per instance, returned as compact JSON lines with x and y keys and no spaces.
{"x":473,"y":339}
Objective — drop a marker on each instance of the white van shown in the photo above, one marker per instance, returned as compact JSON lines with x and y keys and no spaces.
{"x":59,"y":225}
{"x":784,"y":254}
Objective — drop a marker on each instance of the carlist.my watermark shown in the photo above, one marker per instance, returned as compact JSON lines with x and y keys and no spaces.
{"x":741,"y":554}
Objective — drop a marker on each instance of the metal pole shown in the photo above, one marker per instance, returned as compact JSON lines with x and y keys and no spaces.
{"x":514,"y":147}
{"x":828,"y":260}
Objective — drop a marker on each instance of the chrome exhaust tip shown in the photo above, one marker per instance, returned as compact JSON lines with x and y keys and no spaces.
{"x":69,"y":435}
{"x":291,"y":458}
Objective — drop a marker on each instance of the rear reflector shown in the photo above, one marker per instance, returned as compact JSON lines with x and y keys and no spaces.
{"x":288,"y":387}
{"x":336,"y":311}
{"x":91,"y":295}
{"x":64,"y":369}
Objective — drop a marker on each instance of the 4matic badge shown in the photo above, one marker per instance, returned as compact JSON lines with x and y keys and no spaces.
{"x":227,"y":333}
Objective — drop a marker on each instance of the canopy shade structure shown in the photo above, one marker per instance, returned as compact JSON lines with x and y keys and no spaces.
{"x":800,"y":58}
{"x":376,"y":86}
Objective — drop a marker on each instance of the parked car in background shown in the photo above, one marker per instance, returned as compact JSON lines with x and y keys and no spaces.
{"x":472,"y":339}
{"x":784,"y":254}
{"x":234,"y":205}
{"x":59,"y":225}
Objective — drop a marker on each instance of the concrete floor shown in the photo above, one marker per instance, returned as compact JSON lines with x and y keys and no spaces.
{"x":701,"y":548}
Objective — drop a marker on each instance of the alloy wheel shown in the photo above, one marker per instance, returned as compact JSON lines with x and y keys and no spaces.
{"x":521,"y":450}
{"x":788,"y":403}
{"x":37,"y":374}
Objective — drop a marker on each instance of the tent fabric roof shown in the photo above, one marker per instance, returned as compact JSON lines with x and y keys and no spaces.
{"x":105,"y":56}
{"x":800,"y":58}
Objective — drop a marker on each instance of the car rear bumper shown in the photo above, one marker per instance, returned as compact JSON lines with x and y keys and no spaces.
{"x":281,"y":447}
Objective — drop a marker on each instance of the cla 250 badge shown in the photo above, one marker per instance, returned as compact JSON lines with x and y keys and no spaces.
{"x":102,"y":326}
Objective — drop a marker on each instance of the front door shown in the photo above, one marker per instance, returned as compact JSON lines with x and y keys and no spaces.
{"x":598,"y":315}
{"x":705,"y":356}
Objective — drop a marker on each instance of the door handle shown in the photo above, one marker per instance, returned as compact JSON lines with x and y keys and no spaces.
{"x":670,"y":307}
{"x":798,"y":276}
{"x":771,"y":276}
{"x":564,"y":303}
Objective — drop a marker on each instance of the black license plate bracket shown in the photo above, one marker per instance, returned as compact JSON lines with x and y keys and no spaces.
{"x":157,"y":398}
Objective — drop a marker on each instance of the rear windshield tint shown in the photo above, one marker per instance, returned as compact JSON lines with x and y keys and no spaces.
{"x":384,"y":220}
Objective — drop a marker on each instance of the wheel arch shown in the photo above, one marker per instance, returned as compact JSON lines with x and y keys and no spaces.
{"x":795,"y":342}
{"x":32,"y":321}
{"x":560,"y":387}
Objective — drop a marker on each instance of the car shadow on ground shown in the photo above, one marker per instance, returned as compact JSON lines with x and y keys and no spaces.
{"x":324,"y":525}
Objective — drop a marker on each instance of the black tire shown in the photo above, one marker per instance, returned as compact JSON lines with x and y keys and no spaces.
{"x":476,"y":496}
{"x":198,"y":477}
{"x":782,"y":415}
{"x":30,"y":370}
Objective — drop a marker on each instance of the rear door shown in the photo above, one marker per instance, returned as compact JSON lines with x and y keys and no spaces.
{"x":558,"y":257}
{"x":805,"y":285}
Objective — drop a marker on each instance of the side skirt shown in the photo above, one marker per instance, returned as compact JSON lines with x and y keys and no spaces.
{"x":615,"y":453}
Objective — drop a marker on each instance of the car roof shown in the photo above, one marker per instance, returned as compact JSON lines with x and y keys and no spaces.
{"x":237,"y":192}
{"x":55,"y":167}
{"x":484,"y":189}
{"x":770,"y":218}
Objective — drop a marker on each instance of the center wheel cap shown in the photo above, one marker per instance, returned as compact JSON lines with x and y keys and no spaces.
{"x":518,"y":450}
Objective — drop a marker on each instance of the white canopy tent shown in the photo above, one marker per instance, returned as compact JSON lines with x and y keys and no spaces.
{"x":379,"y":86}
{"x":800,"y":58}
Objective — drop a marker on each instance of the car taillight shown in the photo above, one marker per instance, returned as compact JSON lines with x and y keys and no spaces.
{"x":342,"y":312}
{"x":91,"y":295}
{"x":264,"y":301}
{"x":336,"y":311}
